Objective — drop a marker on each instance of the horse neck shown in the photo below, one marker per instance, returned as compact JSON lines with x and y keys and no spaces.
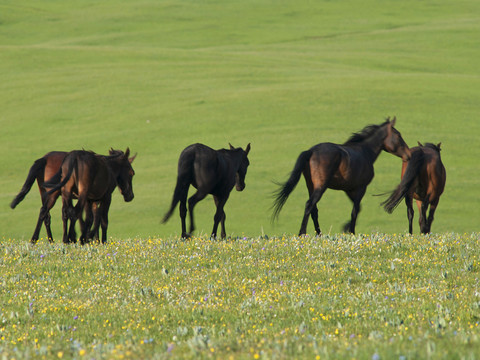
{"x":235,"y":157}
{"x":373,"y":145}
{"x":113,"y":165}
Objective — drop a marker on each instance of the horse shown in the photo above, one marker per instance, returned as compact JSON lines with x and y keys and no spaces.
{"x":93,"y":177}
{"x":347,"y":167}
{"x":210,"y":172}
{"x":42,"y":170}
{"x":423,"y":179}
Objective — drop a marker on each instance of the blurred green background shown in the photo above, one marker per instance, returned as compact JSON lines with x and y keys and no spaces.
{"x":157,"y":76}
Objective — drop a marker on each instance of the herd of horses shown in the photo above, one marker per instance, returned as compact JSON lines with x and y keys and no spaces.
{"x":91,"y":178}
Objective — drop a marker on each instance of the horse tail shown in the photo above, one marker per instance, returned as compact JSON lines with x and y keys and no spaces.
{"x":53,"y":183}
{"x":184,"y":179}
{"x":413,"y":168}
{"x":37,"y":167}
{"x":286,"y":188}
{"x":177,"y":194}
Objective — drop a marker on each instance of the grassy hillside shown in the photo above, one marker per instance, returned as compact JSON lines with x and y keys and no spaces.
{"x":159,"y":75}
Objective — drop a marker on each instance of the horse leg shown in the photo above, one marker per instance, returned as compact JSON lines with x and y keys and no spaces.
{"x":104,"y":207}
{"x":65,"y":216}
{"x":194,"y":199}
{"x":410,"y":213}
{"x":183,"y":216}
{"x":422,"y":208}
{"x":309,"y":207}
{"x":89,"y":218}
{"x":356,"y":196}
{"x":219,"y":217}
{"x":314,"y":213}
{"x":42,"y":217}
{"x":95,"y":233}
{"x":431,"y":213}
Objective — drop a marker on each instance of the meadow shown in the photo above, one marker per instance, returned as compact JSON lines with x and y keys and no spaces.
{"x":157,"y":76}
{"x":333,"y":297}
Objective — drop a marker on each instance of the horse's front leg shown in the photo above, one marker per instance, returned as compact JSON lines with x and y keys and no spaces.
{"x":104,"y":207}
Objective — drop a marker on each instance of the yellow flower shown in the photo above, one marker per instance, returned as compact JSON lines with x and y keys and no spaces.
{"x":60,"y":354}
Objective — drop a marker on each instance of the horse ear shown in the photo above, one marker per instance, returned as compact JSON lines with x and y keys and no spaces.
{"x":231,"y":146}
{"x":419,"y":143}
{"x":111,"y":151}
{"x":439,"y":144}
{"x":127,"y":152}
{"x":130,"y":160}
{"x":393,"y":121}
{"x":247,"y":149}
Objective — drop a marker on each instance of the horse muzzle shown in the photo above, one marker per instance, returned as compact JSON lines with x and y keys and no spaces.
{"x":240,"y":187}
{"x":128,"y":197}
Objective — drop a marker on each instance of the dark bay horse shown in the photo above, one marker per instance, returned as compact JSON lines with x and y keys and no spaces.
{"x":210,"y":172}
{"x":93,"y":177}
{"x":42,"y":170}
{"x":423,"y":179}
{"x":347,"y":167}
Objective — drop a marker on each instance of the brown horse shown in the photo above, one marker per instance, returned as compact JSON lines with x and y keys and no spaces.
{"x":42,"y":170}
{"x":210,"y":172}
{"x":347,"y":167}
{"x":93,"y":177}
{"x":423,"y":179}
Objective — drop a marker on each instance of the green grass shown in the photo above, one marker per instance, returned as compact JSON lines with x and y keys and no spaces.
{"x":366,"y":297}
{"x":158,"y":76}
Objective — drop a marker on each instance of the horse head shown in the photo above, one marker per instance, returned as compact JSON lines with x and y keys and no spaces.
{"x":394,"y":143}
{"x":242,"y":168}
{"x":125,"y":173}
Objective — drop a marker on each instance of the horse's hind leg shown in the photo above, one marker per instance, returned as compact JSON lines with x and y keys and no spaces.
{"x":356,"y":196}
{"x":309,"y":207}
{"x":219,"y":217}
{"x":422,"y":208}
{"x":431,"y":213}
{"x":314,"y":212}
{"x":410,"y":213}
{"x":194,"y":199}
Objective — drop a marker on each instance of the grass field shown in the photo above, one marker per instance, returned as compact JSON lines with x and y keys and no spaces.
{"x":157,"y":76}
{"x":334,"y":297}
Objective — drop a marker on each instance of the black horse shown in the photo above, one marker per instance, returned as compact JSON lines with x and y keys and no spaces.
{"x":210,"y":172}
{"x":347,"y":167}
{"x":93,"y":177}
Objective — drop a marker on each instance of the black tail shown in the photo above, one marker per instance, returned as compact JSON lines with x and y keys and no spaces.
{"x":177,"y":195}
{"x":37,"y":167}
{"x":52,"y":183}
{"x":414,"y":165}
{"x":286,"y":189}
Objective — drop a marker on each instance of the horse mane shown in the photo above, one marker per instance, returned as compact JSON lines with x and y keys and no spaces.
{"x":115,"y":153}
{"x":367,"y":131}
{"x":432,"y":146}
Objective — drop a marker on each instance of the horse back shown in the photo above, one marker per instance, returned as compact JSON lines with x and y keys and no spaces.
{"x":345,"y":166}
{"x":203,"y":167}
